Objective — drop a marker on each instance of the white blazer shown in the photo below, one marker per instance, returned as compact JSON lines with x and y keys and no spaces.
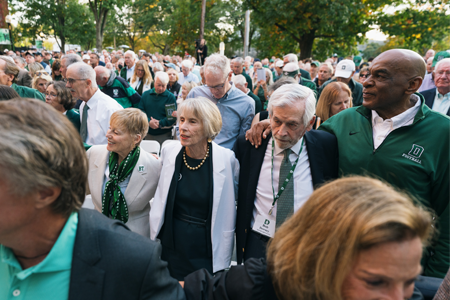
{"x":145,"y":88}
{"x":140,"y":189}
{"x":223,"y":217}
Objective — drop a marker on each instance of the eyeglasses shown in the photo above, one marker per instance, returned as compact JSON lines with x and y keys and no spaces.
{"x":363,"y":75}
{"x":72,"y":80}
{"x":218,"y":87}
{"x":51,"y":95}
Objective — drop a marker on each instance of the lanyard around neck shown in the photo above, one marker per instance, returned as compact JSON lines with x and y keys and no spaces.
{"x":288,"y":177}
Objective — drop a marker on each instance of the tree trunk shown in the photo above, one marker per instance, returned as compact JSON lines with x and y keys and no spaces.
{"x":202,"y":20}
{"x":306,"y":44}
{"x":98,"y":36}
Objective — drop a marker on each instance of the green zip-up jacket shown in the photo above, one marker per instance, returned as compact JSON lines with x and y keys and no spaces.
{"x":154,"y":105}
{"x":120,"y":90}
{"x":309,"y":84}
{"x":26,"y":92}
{"x":414,"y":158}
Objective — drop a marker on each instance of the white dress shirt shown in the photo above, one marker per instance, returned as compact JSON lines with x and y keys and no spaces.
{"x":101,"y":107}
{"x":381,"y":128}
{"x":441,"y":102}
{"x":303,"y":185}
{"x":130,"y":72}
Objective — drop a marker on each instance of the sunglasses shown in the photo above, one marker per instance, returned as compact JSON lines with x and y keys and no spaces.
{"x":363,"y":75}
{"x":40,"y":73}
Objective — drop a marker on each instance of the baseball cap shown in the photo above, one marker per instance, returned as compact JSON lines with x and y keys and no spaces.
{"x":29,"y":53}
{"x":279,"y":64}
{"x":271,"y":60}
{"x":171,"y":65}
{"x":256,"y":59}
{"x":335,"y":55}
{"x":38,"y":54}
{"x":357,"y":60}
{"x":316,"y":63}
{"x":86,"y":56}
{"x":440,"y":56}
{"x":345,"y":68}
{"x":291,"y":69}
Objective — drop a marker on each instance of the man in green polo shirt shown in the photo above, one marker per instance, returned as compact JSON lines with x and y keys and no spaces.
{"x":8,"y":73}
{"x":237,"y":65}
{"x":50,"y":247}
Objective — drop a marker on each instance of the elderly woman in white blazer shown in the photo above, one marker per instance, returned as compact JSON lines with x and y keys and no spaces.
{"x":194,"y":212}
{"x":123,"y":178}
{"x":142,"y":79}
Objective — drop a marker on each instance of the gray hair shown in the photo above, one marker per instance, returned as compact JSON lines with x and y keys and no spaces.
{"x":10,"y":67}
{"x":85,"y":71}
{"x":291,"y":57}
{"x":187,"y":63}
{"x":294,"y":95}
{"x":103,"y":71}
{"x":41,"y":147}
{"x":239,"y":80}
{"x":445,"y":60}
{"x":218,"y":64}
{"x":20,"y":59}
{"x":206,"y":112}
{"x":330,"y":67}
{"x":157,"y":67}
{"x":132,"y":53}
{"x":8,"y":58}
{"x":163,"y":77}
{"x":71,"y":59}
{"x":239,"y":60}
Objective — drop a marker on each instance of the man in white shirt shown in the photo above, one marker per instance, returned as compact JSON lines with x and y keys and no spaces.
{"x":438,"y":98}
{"x":97,"y":107}
{"x":186,"y":74}
{"x":289,"y":165}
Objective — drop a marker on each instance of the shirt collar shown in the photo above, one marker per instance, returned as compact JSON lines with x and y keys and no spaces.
{"x":93,"y":101}
{"x":59,"y":258}
{"x":225,"y":97}
{"x":400,"y":119}
{"x":295,"y":149}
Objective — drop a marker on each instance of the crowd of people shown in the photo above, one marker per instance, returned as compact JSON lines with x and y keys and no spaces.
{"x":276,"y":178}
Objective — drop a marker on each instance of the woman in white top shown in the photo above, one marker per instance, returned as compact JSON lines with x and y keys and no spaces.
{"x":142,"y":79}
{"x":123,"y":178}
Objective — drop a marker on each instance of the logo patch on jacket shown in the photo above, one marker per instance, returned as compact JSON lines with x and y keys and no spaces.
{"x":415,"y":153}
{"x":115,"y":93}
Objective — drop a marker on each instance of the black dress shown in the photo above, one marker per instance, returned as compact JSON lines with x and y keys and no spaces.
{"x":175,"y":89}
{"x":186,"y":234}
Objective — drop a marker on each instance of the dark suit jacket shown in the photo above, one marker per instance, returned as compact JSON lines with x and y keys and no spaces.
{"x":323,"y":159}
{"x":24,"y":78}
{"x":429,"y":96}
{"x":111,"y":262}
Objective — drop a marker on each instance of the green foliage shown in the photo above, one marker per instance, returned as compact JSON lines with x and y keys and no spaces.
{"x":418,"y":25}
{"x":66,"y":20}
{"x":372,"y":50}
{"x":174,"y":25}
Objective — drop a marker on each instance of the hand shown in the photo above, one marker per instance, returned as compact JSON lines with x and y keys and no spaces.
{"x":155,"y":156}
{"x":262,"y":82}
{"x":181,"y":283}
{"x":154,"y":124}
{"x":174,"y":114}
{"x":253,"y":135}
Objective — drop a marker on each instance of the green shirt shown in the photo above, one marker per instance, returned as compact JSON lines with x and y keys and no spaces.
{"x":26,"y":92}
{"x":414,"y":158}
{"x":50,"y":279}
{"x":258,"y":105}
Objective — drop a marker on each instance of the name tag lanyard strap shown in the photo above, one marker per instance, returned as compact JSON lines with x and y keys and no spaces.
{"x":288,"y":177}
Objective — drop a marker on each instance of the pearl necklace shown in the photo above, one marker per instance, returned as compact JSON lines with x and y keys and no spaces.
{"x":197,"y":167}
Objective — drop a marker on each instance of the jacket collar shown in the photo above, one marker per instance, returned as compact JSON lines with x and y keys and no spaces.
{"x":421,"y":114}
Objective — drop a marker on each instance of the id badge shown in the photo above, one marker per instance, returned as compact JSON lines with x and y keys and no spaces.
{"x":265,"y":226}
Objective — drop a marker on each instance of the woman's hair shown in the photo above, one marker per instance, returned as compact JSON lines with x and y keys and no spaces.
{"x":147,"y":78}
{"x":189,"y":85}
{"x":313,"y":251}
{"x":205,"y":111}
{"x":328,"y":96}
{"x":56,"y":66}
{"x":34,"y":67}
{"x":132,"y":120}
{"x":40,"y":75}
{"x":64,"y":95}
{"x":7,"y":93}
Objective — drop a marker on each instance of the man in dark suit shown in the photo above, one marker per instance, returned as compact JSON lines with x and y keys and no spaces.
{"x":438,"y":98}
{"x":49,"y":247}
{"x":286,"y":167}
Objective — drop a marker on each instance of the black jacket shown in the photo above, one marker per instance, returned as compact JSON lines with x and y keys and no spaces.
{"x":111,"y":262}
{"x":323,"y":159}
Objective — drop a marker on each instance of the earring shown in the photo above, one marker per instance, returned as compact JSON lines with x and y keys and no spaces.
{"x":209,"y":140}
